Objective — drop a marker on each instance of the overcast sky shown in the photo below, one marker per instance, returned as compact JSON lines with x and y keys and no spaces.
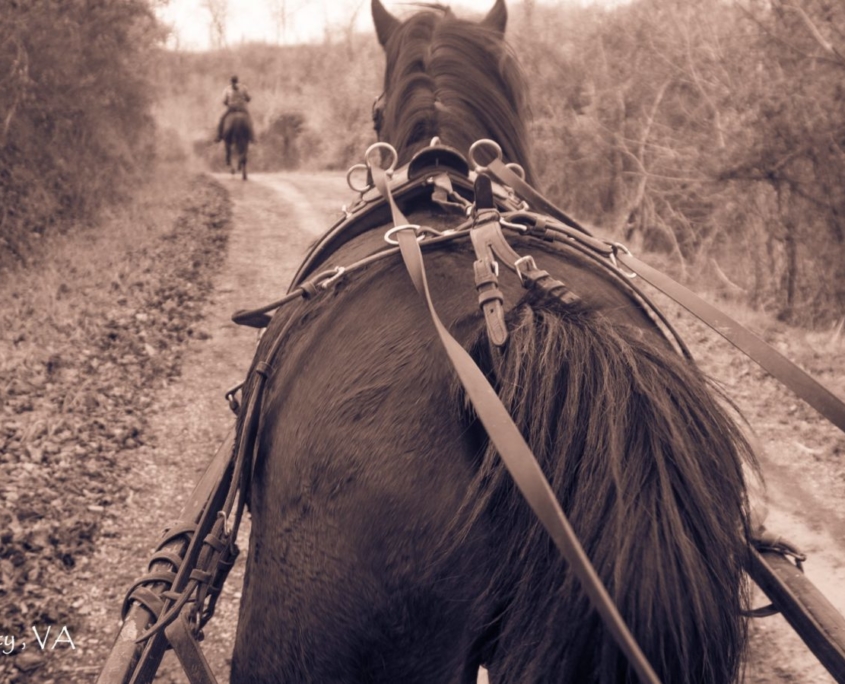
{"x":252,"y":20}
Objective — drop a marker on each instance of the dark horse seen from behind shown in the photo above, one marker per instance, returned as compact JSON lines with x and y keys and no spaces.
{"x":389,"y":543}
{"x":236,"y":136}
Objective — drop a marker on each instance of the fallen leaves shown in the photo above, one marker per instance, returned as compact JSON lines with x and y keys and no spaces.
{"x":72,"y":411}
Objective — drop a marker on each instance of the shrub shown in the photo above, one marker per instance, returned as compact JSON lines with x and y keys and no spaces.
{"x":75,"y":121}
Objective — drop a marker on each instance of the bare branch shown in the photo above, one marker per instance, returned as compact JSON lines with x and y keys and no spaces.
{"x":814,"y":31}
{"x":19,"y":77}
{"x":727,"y":282}
{"x":639,"y":194}
{"x":717,"y":120}
{"x":219,"y":11}
{"x":782,"y":41}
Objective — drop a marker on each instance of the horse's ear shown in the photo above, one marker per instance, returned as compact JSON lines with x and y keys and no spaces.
{"x":385,"y":22}
{"x":497,"y":18}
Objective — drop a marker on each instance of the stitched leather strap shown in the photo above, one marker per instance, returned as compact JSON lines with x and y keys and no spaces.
{"x":187,"y":649}
{"x":490,"y":299}
{"x":809,"y":389}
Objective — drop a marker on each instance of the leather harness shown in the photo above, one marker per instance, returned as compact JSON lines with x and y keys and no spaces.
{"x":502,"y":201}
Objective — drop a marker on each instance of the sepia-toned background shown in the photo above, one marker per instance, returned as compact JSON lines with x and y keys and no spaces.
{"x":707,"y":135}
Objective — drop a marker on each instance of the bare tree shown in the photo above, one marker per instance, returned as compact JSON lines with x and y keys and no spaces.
{"x":219,"y":11}
{"x":17,"y":84}
{"x":279,"y":13}
{"x":282,"y":12}
{"x":349,"y":30}
{"x":528,"y":9}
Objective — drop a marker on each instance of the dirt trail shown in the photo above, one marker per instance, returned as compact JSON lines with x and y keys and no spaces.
{"x":805,"y":490}
{"x":276,"y":217}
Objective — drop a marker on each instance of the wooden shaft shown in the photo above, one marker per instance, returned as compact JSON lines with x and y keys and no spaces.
{"x":809,"y":613}
{"x":129,"y":661}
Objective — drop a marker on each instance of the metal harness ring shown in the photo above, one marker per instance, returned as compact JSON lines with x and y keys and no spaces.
{"x":485,"y":142}
{"x":418,"y":232}
{"x":393,"y":155}
{"x":619,"y":247}
{"x":352,"y":170}
{"x":518,"y":169}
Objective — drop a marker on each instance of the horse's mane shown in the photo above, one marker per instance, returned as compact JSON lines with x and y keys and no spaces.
{"x":455,"y":79}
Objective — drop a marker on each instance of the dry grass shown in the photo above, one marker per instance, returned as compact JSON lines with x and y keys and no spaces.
{"x":83,"y":269}
{"x":87,"y":331}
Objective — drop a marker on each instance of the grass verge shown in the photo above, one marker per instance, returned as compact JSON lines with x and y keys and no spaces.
{"x":86,"y":333}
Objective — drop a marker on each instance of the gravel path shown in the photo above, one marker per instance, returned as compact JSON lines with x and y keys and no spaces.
{"x":276,"y":216}
{"x":275,"y":219}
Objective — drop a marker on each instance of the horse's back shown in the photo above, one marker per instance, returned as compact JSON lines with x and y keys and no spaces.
{"x":364,"y":464}
{"x":365,"y":461}
{"x":237,"y":126}
{"x":389,"y":543}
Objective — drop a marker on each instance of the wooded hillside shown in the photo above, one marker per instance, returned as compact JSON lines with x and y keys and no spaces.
{"x":707,"y":130}
{"x":710,"y":131}
{"x":75,"y":121}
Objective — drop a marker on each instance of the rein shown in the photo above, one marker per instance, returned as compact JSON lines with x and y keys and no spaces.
{"x":502,"y":431}
{"x":771,"y":360}
{"x":502,"y":202}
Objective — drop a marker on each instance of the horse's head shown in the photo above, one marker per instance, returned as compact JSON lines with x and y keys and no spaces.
{"x":450,"y":78}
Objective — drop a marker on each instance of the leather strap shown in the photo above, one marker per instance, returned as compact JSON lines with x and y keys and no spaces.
{"x":806,"y":387}
{"x":809,"y":389}
{"x":515,"y":452}
{"x":187,"y":649}
{"x":486,"y":269}
{"x":502,"y":173}
{"x":490,"y":298}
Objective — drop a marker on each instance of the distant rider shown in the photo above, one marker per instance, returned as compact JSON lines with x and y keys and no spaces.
{"x":235,"y":98}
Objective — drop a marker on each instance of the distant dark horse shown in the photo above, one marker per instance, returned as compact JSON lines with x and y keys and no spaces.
{"x":388,"y":542}
{"x":236,"y":134}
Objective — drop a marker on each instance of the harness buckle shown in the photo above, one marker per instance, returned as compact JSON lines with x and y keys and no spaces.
{"x":528,"y":262}
{"x":619,"y":247}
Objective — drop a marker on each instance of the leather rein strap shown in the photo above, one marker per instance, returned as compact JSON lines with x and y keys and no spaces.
{"x":811,"y":391}
{"x":512,"y":448}
{"x":807,"y":388}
